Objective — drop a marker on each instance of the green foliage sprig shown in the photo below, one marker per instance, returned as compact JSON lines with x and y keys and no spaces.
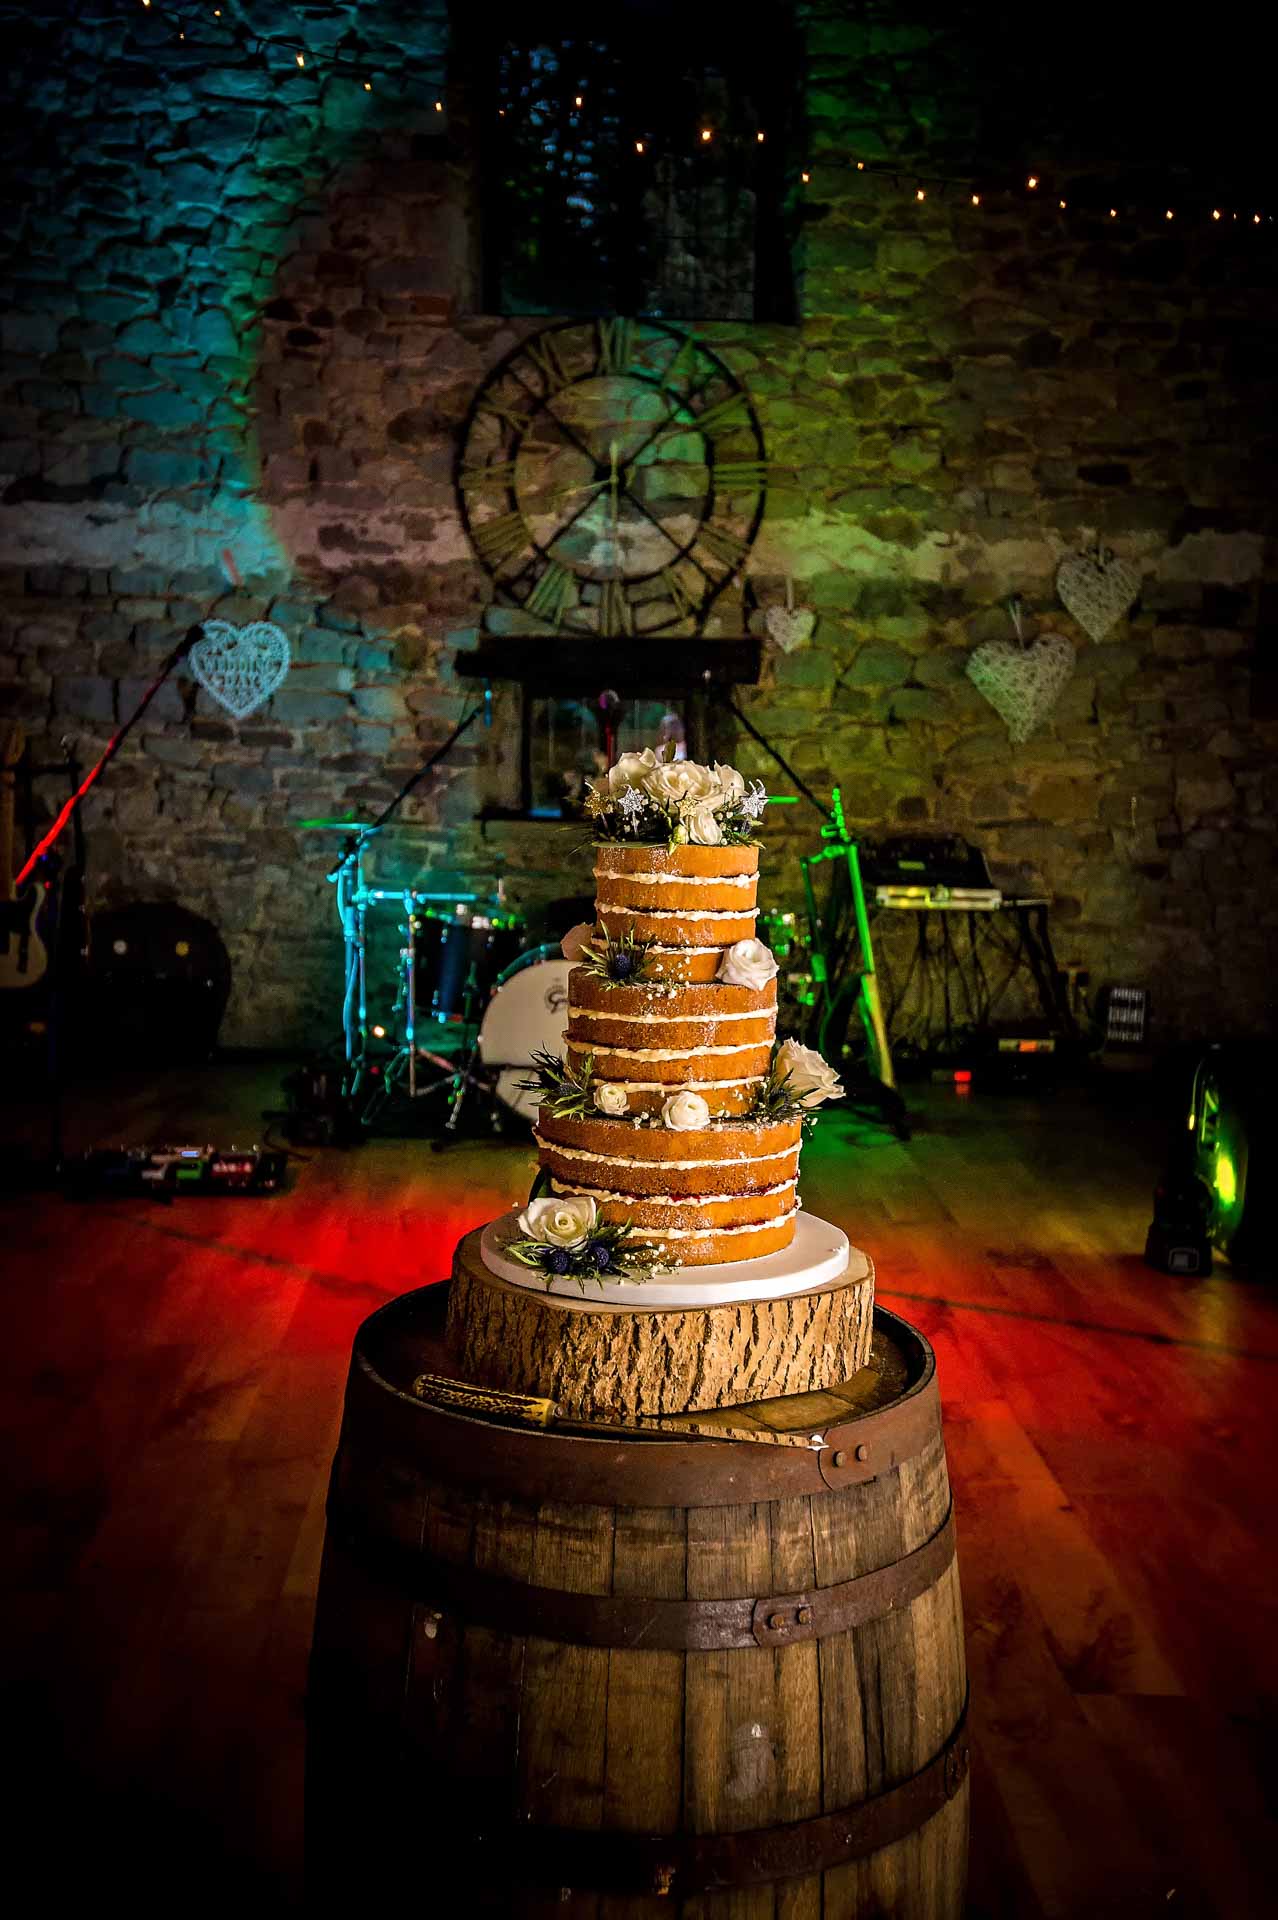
{"x":607,"y":1251}
{"x":564,"y":1085}
{"x":622,"y":962}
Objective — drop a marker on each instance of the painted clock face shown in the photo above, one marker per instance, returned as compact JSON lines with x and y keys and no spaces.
{"x":611,"y":477}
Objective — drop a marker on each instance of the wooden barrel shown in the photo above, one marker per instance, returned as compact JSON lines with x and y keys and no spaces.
{"x":627,"y":1673}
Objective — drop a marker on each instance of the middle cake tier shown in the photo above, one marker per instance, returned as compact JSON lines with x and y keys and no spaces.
{"x":655,"y":1039}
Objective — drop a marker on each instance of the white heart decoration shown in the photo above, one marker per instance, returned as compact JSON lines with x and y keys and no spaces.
{"x":240,"y":666}
{"x":789,"y":627}
{"x":1097,"y":588}
{"x":1022,"y":684}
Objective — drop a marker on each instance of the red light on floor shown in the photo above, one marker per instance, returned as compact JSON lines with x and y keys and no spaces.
{"x":963,"y":1077}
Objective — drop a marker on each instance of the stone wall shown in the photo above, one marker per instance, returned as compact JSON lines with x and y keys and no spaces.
{"x":243,"y":317}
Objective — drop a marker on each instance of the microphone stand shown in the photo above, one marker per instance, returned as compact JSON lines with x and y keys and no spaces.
{"x":351,"y":913}
{"x":880,"y":1089}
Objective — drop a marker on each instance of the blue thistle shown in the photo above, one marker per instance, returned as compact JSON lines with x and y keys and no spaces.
{"x":601,"y":1253}
{"x":558,"y":1260}
{"x":621,"y":965}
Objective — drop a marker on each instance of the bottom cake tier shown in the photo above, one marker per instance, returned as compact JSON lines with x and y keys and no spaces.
{"x":715,"y":1336}
{"x":719,"y":1194}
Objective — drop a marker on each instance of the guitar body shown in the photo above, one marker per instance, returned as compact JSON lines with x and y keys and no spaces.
{"x":23,"y":955}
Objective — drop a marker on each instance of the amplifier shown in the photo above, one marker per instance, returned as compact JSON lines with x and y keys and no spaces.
{"x":939,"y":899}
{"x":171,"y":1170}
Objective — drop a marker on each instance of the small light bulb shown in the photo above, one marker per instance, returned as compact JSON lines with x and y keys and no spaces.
{"x":976,"y":199}
{"x":759,"y":138}
{"x":1062,"y":206}
{"x":1215,"y":213}
{"x":920,"y":194}
{"x":860,"y":166}
{"x":379,"y":1033}
{"x":1255,"y":219}
{"x":301,"y":59}
{"x":1170,"y":214}
{"x":705,"y":133}
{"x":577,"y":101}
{"x":439,"y":106}
{"x":146,"y":3}
{"x":368,"y":86}
{"x":1032,"y":181}
{"x":638,"y":146}
{"x":805,"y":177}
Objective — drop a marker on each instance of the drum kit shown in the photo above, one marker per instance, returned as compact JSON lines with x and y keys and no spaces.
{"x":469,"y":995}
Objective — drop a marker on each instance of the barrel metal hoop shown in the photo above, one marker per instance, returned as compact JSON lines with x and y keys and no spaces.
{"x":621,"y":1467}
{"x":683,"y":1865}
{"x":470,"y":1595}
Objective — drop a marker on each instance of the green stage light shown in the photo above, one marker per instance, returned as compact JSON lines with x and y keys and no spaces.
{"x":1225,"y":1180}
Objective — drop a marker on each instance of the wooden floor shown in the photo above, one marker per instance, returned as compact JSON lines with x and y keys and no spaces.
{"x":173,"y":1380}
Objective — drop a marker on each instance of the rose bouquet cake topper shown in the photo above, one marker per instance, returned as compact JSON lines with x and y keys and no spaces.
{"x":648,"y":799}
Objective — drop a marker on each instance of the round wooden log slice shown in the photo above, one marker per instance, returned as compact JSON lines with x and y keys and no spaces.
{"x":696,"y":1668}
{"x":604,"y":1360}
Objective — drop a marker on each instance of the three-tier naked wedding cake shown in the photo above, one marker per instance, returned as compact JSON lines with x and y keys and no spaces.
{"x":664,"y":1263}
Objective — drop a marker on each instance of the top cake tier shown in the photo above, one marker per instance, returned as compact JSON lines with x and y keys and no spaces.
{"x":690,"y":902}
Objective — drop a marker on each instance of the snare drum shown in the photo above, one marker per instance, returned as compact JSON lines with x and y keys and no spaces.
{"x":528,"y":1012}
{"x":459,"y":957}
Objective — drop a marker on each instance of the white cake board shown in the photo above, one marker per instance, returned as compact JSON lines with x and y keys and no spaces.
{"x":818,"y":1254}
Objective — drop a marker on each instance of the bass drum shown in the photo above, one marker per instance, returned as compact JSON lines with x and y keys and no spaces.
{"x":528,"y":1012}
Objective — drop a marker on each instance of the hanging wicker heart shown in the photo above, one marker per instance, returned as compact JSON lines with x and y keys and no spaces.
{"x":1022,"y":684}
{"x":240,"y":666}
{"x":1097,"y":589}
{"x":789,"y":627}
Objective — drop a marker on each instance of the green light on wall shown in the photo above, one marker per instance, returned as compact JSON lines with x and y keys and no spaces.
{"x":1225,"y":1180}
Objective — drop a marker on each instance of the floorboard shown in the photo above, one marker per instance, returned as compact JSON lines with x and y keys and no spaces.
{"x":172,"y":1383}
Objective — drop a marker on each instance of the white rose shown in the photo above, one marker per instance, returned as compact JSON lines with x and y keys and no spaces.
{"x":703,"y":827}
{"x":730,"y":781}
{"x":748,"y":964}
{"x":575,"y":943}
{"x":811,"y":1079}
{"x":631,"y":770}
{"x":685,"y":1112}
{"x":562,"y":1220}
{"x":682,"y":784}
{"x":610,"y":1098}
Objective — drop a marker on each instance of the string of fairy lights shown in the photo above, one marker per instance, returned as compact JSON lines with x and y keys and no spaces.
{"x":1032,"y":188}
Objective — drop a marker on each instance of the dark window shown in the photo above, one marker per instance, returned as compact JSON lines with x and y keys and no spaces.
{"x":600,"y":194}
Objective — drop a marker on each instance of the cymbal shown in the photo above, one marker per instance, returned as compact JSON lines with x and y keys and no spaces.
{"x":334,"y":826}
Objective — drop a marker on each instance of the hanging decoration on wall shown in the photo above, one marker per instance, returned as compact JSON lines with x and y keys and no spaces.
{"x":1097,"y":588}
{"x":789,"y":626}
{"x":240,"y":666}
{"x":1022,"y":679}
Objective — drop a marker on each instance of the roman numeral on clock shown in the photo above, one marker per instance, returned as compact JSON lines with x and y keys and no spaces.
{"x":743,"y":474}
{"x":507,"y":413}
{"x":553,"y":594}
{"x":500,"y":474}
{"x":732,"y":412}
{"x":544,"y":354}
{"x":500,"y":539}
{"x":676,"y":592}
{"x":682,"y":366}
{"x":729,"y":549}
{"x":616,"y":345}
{"x":616,"y":616}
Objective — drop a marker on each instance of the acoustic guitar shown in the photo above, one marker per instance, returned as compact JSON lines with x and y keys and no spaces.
{"x":23,"y":958}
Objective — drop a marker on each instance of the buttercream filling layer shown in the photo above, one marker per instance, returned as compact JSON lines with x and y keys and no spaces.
{"x":677,"y":879}
{"x":670,"y":1019}
{"x":715,"y":1233}
{"x":686,"y":1086}
{"x":685,"y":913}
{"x":681,"y":1199}
{"x":624,"y":1160}
{"x":665,"y":1053}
